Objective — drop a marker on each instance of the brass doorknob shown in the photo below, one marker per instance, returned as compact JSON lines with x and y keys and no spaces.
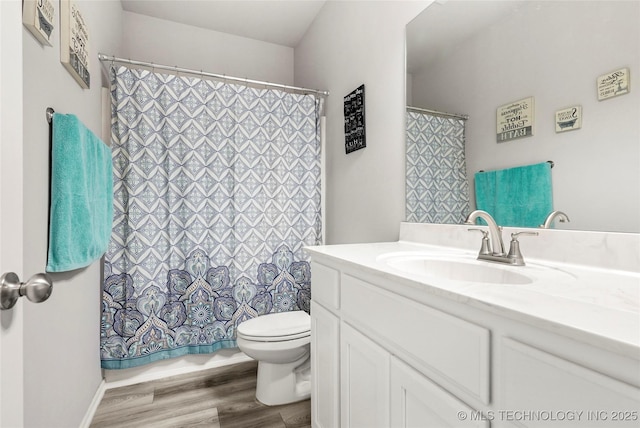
{"x":38,"y":288}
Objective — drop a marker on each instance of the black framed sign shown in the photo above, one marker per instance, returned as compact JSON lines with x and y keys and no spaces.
{"x":354,"y":130}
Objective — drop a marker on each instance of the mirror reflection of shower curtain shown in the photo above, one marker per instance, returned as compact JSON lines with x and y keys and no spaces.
{"x":437,"y":190}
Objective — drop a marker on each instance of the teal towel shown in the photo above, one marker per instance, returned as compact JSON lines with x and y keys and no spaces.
{"x":81,"y":210}
{"x":520,"y":197}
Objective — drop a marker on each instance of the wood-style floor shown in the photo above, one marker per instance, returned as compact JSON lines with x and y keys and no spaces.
{"x":219,"y":398}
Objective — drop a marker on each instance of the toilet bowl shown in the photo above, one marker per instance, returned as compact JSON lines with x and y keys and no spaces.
{"x":280,"y":343}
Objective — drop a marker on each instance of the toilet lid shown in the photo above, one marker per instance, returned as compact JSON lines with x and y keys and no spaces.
{"x":278,"y":326}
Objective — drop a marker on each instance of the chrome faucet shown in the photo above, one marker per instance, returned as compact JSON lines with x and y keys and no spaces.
{"x":496,"y":246}
{"x":492,"y":246}
{"x":562,"y":217}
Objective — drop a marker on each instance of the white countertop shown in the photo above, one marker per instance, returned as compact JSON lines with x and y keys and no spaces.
{"x":594,"y":305}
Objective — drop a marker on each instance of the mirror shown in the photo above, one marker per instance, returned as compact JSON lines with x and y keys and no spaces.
{"x":471,"y":57}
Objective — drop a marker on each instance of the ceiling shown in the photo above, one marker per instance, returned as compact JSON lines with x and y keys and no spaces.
{"x":283,"y":22}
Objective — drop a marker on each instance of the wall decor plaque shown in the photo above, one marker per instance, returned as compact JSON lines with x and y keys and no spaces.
{"x":515,"y":120}
{"x":613,"y":84}
{"x":38,"y":16}
{"x":569,"y":119}
{"x":74,"y":42}
{"x":354,"y":126}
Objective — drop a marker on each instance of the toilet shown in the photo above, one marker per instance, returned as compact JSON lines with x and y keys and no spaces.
{"x":280,"y":342}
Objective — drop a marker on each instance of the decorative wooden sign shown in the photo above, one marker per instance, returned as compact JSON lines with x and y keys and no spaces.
{"x":354,"y":127}
{"x":515,"y":120}
{"x":74,"y":42}
{"x":569,"y":119}
{"x":37,"y":16}
{"x":613,"y":84}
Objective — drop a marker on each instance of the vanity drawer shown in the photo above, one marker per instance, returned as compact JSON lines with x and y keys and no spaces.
{"x":325,"y":286}
{"x":451,"y":351}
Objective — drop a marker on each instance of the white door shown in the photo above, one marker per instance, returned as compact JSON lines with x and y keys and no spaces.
{"x":11,"y":206}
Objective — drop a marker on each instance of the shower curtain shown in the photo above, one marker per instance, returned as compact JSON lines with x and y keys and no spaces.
{"x":437,"y":190}
{"x":216,"y":192}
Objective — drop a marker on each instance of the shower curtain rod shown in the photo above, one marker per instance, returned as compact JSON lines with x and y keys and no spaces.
{"x":439,"y":113}
{"x":108,"y":58}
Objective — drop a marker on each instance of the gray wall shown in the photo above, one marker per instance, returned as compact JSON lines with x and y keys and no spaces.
{"x":553,"y":53}
{"x":61,"y":336}
{"x":164,"y":42}
{"x":351,"y":43}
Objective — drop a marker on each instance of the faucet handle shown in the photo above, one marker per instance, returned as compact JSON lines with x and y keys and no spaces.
{"x":514,"y":236}
{"x":486,"y":245}
{"x":514,"y":248}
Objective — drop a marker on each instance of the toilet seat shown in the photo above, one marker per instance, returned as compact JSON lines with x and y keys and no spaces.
{"x":276,"y":327}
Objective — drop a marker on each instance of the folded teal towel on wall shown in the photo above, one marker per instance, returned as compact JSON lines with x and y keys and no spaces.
{"x":520,"y":197}
{"x":81,"y":210}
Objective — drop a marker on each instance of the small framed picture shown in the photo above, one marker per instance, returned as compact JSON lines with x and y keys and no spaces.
{"x":74,"y":42}
{"x":515,"y":120}
{"x":354,"y":121}
{"x":613,"y":84}
{"x":38,"y":16}
{"x":569,"y":119}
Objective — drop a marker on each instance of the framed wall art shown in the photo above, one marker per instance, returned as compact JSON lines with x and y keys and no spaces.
{"x":38,"y":16}
{"x":569,"y":119}
{"x":74,"y":42}
{"x":515,"y":120}
{"x":354,"y":126}
{"x":613,"y":84}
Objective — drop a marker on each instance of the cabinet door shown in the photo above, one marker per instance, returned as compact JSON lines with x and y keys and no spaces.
{"x":325,"y":368}
{"x":417,"y":402}
{"x":364,"y":391}
{"x":540,"y":389}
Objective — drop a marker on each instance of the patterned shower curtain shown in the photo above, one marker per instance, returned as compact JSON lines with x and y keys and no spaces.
{"x":437,"y":190}
{"x":216,"y":192}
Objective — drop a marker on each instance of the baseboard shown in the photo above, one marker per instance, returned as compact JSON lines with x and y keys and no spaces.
{"x":126,"y":377}
{"x":91,"y":411}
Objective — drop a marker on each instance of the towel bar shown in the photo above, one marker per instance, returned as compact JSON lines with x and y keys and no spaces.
{"x":549,"y":162}
{"x":49,"y":115}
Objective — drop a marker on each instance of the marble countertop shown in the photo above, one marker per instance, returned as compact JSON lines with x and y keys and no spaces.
{"x":595,"y":305}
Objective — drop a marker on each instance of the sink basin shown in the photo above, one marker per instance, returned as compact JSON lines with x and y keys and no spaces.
{"x":461,"y":270}
{"x":457,"y":268}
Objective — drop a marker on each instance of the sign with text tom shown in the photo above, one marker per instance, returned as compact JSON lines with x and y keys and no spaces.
{"x":515,"y":120}
{"x":354,"y":131}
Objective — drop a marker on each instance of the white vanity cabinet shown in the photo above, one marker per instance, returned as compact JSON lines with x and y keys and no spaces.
{"x":325,"y":349}
{"x":362,"y":340}
{"x":385,"y":353}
